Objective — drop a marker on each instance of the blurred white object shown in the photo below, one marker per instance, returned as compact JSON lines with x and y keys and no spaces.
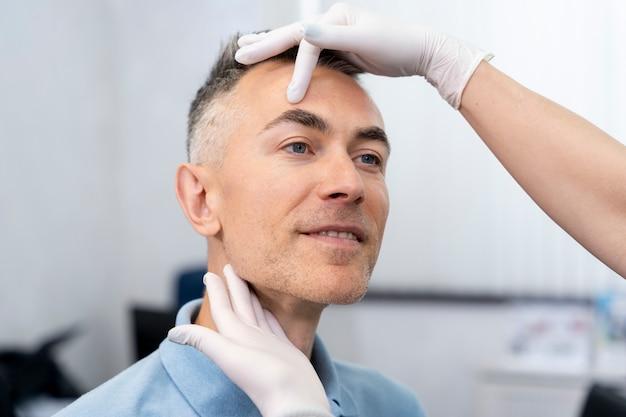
{"x":556,"y":332}
{"x":609,"y":347}
{"x":550,"y":366}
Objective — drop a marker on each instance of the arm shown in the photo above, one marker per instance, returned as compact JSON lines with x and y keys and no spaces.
{"x":574,"y":171}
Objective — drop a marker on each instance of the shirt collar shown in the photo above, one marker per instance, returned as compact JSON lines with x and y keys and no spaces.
{"x":209,"y":391}
{"x":339,"y":398}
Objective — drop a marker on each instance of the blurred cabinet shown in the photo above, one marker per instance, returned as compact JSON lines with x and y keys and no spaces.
{"x":543,"y":386}
{"x":522,"y":396}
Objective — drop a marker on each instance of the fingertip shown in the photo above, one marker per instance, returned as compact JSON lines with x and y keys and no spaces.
{"x":295,"y":94}
{"x":250,"y":38}
{"x":295,"y":90}
{"x":248,"y":54}
{"x":242,"y":56}
{"x":245,"y":40}
{"x":208,"y":276}
{"x":177,"y":335}
{"x":230,"y":274}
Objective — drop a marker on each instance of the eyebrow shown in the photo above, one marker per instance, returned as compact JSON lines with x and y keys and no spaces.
{"x":314,"y":121}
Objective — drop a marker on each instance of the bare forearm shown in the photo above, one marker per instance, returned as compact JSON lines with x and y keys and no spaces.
{"x":574,"y":171}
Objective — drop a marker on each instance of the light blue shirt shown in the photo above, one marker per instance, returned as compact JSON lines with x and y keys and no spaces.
{"x":179,"y":381}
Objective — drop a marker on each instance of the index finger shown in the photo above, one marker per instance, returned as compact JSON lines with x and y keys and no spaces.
{"x":308,"y":54}
{"x":225,"y":319}
{"x":306,"y":61}
{"x":240,"y":296}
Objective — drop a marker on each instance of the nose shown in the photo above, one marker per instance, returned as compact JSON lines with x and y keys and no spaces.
{"x":341,"y":181}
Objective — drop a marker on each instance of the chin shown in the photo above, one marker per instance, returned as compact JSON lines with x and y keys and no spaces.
{"x":342,"y":291}
{"x":349,"y":298}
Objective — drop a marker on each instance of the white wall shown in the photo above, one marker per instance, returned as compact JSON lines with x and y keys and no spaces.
{"x":59,"y":239}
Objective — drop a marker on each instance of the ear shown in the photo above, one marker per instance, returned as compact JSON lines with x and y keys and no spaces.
{"x":198,"y":195}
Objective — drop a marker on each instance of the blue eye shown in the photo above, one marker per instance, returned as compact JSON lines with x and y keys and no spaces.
{"x":370,"y":157}
{"x":298,"y":147}
{"x":302,"y":147}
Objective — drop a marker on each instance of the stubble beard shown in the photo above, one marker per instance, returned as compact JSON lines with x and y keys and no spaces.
{"x":285,"y":274}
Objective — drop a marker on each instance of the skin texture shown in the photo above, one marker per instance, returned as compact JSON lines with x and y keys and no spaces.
{"x":253,"y":209}
{"x":572,"y":169}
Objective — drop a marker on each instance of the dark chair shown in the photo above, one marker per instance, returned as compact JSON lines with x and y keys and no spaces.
{"x":27,"y":374}
{"x":150,"y":325}
{"x":605,"y":401}
{"x":189,"y":285}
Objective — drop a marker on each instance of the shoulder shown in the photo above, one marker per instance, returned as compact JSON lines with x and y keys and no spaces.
{"x":143,"y":389}
{"x":376,"y":394}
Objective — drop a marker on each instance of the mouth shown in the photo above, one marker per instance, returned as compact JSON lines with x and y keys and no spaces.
{"x":344,"y":242}
{"x":347,"y":236}
{"x":337,"y":232}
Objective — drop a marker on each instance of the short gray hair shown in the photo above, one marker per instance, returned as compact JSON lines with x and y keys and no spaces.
{"x":212,"y":115}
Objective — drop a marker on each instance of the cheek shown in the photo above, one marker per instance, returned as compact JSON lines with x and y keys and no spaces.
{"x":259,"y":200}
{"x":379,"y":204}
{"x":279,"y":189}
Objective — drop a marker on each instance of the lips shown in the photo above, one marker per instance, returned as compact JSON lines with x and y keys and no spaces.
{"x":341,"y":231}
{"x":336,"y":234}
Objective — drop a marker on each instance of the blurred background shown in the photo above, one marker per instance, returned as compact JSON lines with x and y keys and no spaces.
{"x":479,"y":303}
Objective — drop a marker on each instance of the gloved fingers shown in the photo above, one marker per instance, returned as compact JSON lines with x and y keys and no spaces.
{"x":226,"y":321}
{"x":274,"y":43}
{"x":275,"y":326}
{"x":240,"y":296}
{"x":308,"y":54}
{"x":340,"y":37}
{"x":306,"y":61}
{"x":267,"y":321}
{"x":225,"y":353}
{"x":258,"y":312}
{"x":250,"y":38}
{"x":201,"y":338}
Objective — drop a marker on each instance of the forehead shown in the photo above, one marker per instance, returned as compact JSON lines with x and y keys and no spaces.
{"x":337,"y":97}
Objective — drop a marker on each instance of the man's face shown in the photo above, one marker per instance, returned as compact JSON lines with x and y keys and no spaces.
{"x":286,"y":175}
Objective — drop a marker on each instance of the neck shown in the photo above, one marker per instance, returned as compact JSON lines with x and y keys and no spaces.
{"x":297,"y":317}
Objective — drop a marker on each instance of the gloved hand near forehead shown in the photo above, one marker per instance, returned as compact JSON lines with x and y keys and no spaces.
{"x":375,"y":44}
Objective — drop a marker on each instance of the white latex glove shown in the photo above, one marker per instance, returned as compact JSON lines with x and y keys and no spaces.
{"x":375,"y":44}
{"x":254,"y":352}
